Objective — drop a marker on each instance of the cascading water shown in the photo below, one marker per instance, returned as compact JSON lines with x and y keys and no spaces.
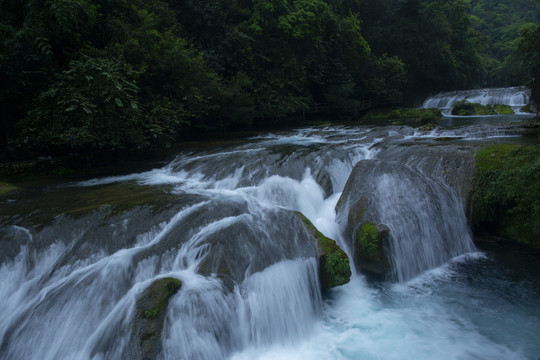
{"x":516,"y":97}
{"x":426,"y":220}
{"x":69,"y":284}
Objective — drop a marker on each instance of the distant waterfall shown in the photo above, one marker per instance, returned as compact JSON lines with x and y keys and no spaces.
{"x":517,"y":97}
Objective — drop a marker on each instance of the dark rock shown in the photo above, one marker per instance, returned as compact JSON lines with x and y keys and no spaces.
{"x":244,"y":247}
{"x":367,"y":236}
{"x":324,"y":180}
{"x":150,"y":317}
{"x":370,"y":247}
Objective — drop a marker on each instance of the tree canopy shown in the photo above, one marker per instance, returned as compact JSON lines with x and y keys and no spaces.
{"x":501,"y":24}
{"x":83,"y":75}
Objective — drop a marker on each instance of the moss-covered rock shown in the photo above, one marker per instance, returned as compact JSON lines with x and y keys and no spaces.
{"x":502,"y":109}
{"x":466,"y":108}
{"x":150,"y":317}
{"x":334,"y":266}
{"x":119,"y":197}
{"x":506,"y":199}
{"x":370,"y":249}
{"x":527,"y":109}
{"x":429,"y":115}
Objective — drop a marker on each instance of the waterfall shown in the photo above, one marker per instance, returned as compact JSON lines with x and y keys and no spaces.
{"x":516,"y":97}
{"x":69,"y":284}
{"x":426,"y":219}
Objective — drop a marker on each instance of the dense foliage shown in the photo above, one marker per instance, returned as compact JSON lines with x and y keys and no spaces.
{"x":507,"y":196}
{"x":434,"y":38}
{"x":83,"y":75}
{"x":502,"y":25}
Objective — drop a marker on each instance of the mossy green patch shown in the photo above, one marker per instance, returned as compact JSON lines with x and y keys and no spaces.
{"x":6,"y":187}
{"x":158,"y":295}
{"x":337,"y":268}
{"x":368,"y":238}
{"x":495,"y":157}
{"x":119,"y":197}
{"x":527,"y":109}
{"x":151,"y":313}
{"x":370,"y":249}
{"x":150,"y":316}
{"x":502,"y":109}
{"x":507,"y":192}
{"x":466,"y":108}
{"x":428,"y":115}
{"x":334,"y":265}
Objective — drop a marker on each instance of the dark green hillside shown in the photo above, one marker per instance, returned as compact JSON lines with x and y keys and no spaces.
{"x":87,"y":75}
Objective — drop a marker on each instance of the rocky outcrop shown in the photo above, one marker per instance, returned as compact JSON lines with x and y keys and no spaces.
{"x":367,"y":236}
{"x":396,"y":215}
{"x":454,"y":165}
{"x":149,"y":318}
{"x":241,"y":246}
{"x":334,"y":266}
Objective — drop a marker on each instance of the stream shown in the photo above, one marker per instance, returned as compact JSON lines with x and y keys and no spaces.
{"x":77,"y":255}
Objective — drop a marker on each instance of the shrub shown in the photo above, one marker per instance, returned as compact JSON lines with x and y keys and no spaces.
{"x":507,"y":195}
{"x":91,"y":105}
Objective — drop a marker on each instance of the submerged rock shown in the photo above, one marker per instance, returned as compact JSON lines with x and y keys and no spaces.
{"x":334,"y":266}
{"x":150,"y":317}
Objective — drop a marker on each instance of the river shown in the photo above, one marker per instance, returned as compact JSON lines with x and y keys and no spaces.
{"x":218,"y":219}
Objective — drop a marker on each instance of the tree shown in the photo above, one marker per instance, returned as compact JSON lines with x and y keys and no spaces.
{"x":529,"y":46}
{"x":91,"y":105}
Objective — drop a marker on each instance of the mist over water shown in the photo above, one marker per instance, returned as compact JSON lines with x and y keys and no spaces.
{"x":69,"y":289}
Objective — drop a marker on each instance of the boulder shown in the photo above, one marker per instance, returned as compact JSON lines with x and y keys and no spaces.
{"x":396,"y":217}
{"x":367,"y":235}
{"x":149,"y":318}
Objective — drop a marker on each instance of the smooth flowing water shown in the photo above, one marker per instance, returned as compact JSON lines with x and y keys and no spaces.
{"x":220,"y":221}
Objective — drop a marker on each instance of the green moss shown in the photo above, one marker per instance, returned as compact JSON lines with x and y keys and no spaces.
{"x":504,"y":109}
{"x":119,"y":197}
{"x":507,"y":192}
{"x":465,"y":108}
{"x":494,"y":157}
{"x":527,"y":109}
{"x":151,"y":313}
{"x":368,"y":238}
{"x":326,"y":243}
{"x":338,"y":268}
{"x":369,"y":248}
{"x":429,"y":115}
{"x":334,"y":265}
{"x":150,"y":318}
{"x":6,"y":187}
{"x":158,"y":295}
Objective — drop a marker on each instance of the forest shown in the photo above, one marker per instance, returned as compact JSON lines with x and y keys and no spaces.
{"x":87,"y":75}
